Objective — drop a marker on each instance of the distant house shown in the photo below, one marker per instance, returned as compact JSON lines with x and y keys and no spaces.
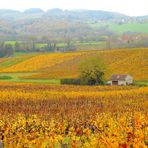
{"x":118,"y":79}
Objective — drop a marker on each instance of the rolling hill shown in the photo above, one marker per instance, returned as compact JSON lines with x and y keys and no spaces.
{"x":57,"y":23}
{"x":65,"y":65}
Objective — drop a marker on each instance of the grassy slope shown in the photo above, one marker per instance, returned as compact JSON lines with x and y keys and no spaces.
{"x":45,"y":68}
{"x":129,"y":27}
{"x":16,"y":77}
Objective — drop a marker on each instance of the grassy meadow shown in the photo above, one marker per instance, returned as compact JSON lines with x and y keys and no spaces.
{"x":122,"y":28}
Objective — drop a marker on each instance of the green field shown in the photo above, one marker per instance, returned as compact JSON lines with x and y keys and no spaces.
{"x":79,"y":45}
{"x":16,"y":77}
{"x":142,"y":83}
{"x":128,"y":27}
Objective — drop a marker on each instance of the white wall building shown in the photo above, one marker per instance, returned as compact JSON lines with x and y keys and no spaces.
{"x":120,"y":80}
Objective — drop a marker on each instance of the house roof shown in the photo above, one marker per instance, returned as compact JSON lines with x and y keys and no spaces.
{"x":117,"y":77}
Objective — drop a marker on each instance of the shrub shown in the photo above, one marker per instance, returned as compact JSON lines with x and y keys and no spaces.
{"x":5,"y":77}
{"x":70,"y":81}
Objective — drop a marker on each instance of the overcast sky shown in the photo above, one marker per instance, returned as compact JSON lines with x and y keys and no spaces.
{"x":129,"y":7}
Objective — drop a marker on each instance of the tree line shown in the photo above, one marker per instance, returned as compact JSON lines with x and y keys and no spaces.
{"x":35,"y":45}
{"x":6,"y":50}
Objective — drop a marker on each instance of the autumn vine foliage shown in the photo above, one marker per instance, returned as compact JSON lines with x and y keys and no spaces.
{"x":66,"y":65}
{"x":41,"y":116}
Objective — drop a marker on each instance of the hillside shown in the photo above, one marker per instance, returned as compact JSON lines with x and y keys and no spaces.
{"x":134,"y":27}
{"x":65,"y":65}
{"x":57,"y":23}
{"x":56,"y":13}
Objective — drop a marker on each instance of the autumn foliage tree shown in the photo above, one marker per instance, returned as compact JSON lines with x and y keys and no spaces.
{"x":92,"y":70}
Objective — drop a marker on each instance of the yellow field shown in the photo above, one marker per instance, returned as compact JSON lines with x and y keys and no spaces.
{"x":61,"y":116}
{"x":65,"y":65}
{"x":57,"y":116}
{"x":40,"y":61}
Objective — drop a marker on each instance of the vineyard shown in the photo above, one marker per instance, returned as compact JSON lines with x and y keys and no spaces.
{"x":65,"y":65}
{"x":59,"y":116}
